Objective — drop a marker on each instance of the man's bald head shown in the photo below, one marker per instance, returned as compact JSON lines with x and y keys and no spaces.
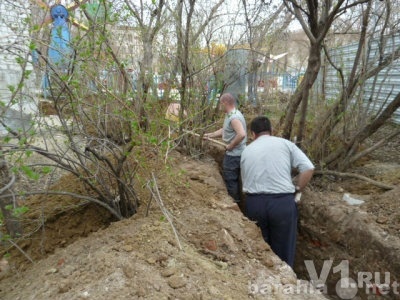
{"x":228,"y":99}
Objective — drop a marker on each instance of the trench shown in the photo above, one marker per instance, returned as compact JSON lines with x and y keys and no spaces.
{"x":340,"y":241}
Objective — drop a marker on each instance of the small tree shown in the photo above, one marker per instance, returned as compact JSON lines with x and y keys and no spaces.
{"x":351,"y":113}
{"x":96,"y":132}
{"x":316,"y":21}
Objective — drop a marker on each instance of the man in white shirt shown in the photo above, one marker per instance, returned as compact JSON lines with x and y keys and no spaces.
{"x":266,"y":167}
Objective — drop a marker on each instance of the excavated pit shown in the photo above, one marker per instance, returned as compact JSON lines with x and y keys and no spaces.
{"x":348,"y":239}
{"x":356,"y":242}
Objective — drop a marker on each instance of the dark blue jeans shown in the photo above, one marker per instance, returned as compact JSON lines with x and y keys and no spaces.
{"x":231,"y":174}
{"x":276,"y":215}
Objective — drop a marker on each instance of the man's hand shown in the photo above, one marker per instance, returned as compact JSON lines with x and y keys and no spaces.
{"x":214,"y":134}
{"x":297,"y":197}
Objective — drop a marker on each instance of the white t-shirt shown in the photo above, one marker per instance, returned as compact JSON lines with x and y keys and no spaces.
{"x":266,"y":165}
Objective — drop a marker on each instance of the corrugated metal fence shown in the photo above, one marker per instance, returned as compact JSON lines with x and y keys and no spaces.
{"x":377,"y":91}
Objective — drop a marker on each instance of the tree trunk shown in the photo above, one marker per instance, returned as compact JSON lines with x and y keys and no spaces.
{"x":7,"y":204}
{"x":332,"y":117}
{"x":145,"y":81}
{"x":302,"y":93}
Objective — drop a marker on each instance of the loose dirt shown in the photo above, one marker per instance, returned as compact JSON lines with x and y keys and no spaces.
{"x":80,"y":253}
{"x":222,"y":254}
{"x":367,"y":236}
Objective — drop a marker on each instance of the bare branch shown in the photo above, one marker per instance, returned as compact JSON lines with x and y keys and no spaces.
{"x":357,"y":176}
{"x":9,"y":184}
{"x":21,"y":250}
{"x":211,"y":16}
{"x":353,"y":4}
{"x":377,"y":145}
{"x":155,"y":192}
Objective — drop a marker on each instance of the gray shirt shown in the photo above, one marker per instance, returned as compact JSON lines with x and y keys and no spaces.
{"x":228,"y":133}
{"x":266,"y":165}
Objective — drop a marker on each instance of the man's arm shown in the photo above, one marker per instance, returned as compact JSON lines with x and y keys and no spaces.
{"x":217,"y":133}
{"x":303,"y":179}
{"x":240,"y":134}
{"x":300,"y":161}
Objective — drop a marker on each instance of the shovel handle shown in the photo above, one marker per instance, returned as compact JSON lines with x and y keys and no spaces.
{"x":208,"y":139}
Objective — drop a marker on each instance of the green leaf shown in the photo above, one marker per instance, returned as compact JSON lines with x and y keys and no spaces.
{"x":19,"y":60}
{"x":32,"y":46}
{"x":28,"y":153}
{"x":11,"y":88}
{"x":47,"y":170}
{"x":153,"y":140}
{"x":30,"y":173}
{"x":20,"y":211}
{"x":27,"y":73}
{"x":6,"y":237}
{"x":23,"y":141}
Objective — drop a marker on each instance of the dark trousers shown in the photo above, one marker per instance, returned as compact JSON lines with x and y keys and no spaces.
{"x":276,"y":215}
{"x":231,"y":174}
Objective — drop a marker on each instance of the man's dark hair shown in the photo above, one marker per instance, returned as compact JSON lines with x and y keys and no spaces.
{"x":260,"y":124}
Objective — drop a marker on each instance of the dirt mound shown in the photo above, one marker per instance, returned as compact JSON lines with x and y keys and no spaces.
{"x":54,"y":221}
{"x":385,"y":211}
{"x":223,"y":255}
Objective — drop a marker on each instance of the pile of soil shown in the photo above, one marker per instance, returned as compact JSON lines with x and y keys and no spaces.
{"x":216,"y":254}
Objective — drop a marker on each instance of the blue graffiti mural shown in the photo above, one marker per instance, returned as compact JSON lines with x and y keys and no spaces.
{"x":60,"y":52}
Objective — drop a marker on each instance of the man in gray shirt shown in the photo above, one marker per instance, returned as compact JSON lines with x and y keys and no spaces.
{"x":234,"y":135}
{"x":266,"y":166}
